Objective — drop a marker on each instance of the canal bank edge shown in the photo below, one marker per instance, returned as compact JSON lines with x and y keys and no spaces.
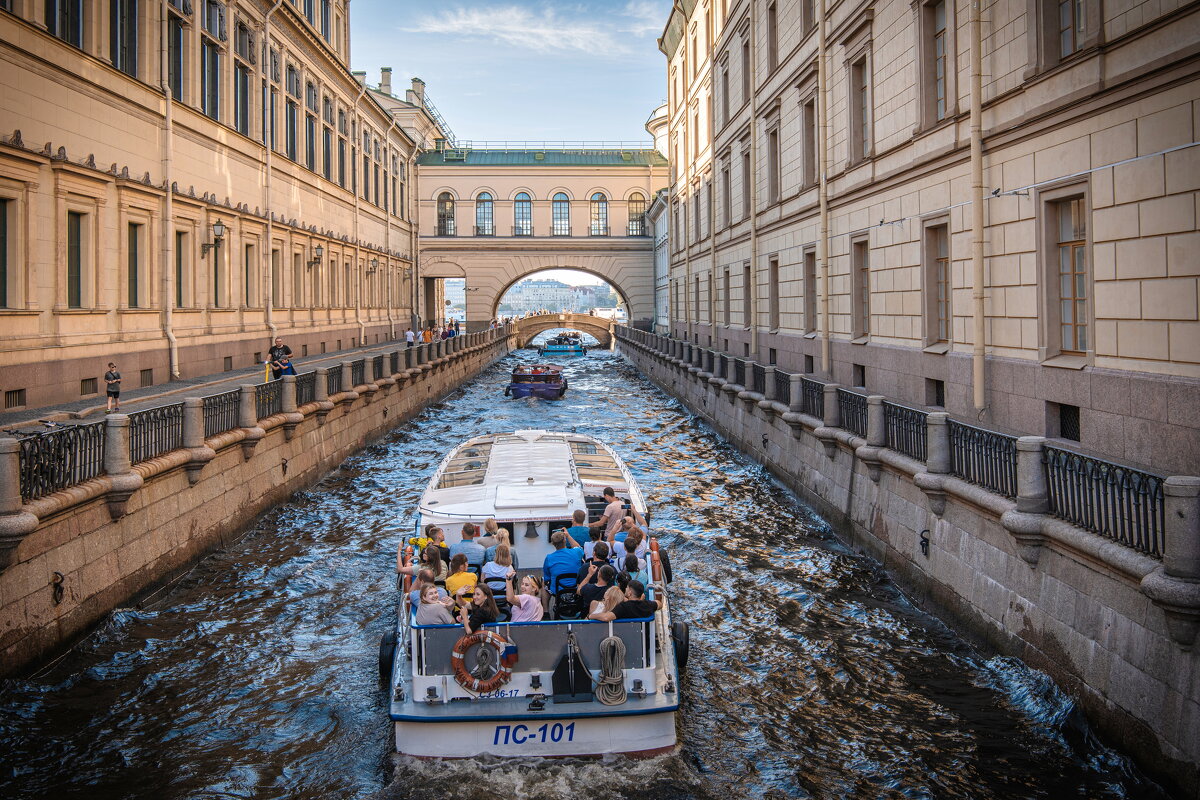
{"x":1077,"y":612}
{"x":95,"y":546}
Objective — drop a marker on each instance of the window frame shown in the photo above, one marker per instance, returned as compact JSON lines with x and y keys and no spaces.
{"x":808,"y":257}
{"x":1047,"y":199}
{"x":485,"y":214}
{"x":938,"y":273}
{"x":1044,"y":53}
{"x":445,"y":210}
{"x":523,"y":214}
{"x":927,"y":57}
{"x":598,"y":214}
{"x":123,"y":30}
{"x":860,"y":288}
{"x":560,"y":214}
{"x":636,"y":212}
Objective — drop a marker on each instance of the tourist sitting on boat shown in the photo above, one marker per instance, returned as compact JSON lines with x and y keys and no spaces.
{"x":635,"y":542}
{"x":634,"y":606}
{"x":613,"y":597}
{"x":596,"y":582}
{"x":560,"y":569}
{"x":488,"y":540}
{"x":497,"y":572}
{"x":629,"y":523}
{"x":423,"y":582}
{"x":526,"y":606}
{"x":431,"y":559}
{"x":600,"y":556}
{"x":461,"y":579}
{"x":581,"y":529}
{"x":480,"y":610}
{"x":633,"y":569}
{"x":434,"y":609}
{"x":437,"y":536}
{"x":502,"y":537}
{"x":614,"y":512}
{"x":468,"y":547}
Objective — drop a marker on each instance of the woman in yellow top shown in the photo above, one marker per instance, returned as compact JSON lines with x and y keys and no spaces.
{"x":461,"y":580}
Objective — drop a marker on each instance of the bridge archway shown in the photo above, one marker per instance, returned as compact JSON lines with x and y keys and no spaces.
{"x":599,"y":327}
{"x":525,"y":276}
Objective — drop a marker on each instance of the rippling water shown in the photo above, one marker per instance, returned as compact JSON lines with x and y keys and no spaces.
{"x":811,"y":675}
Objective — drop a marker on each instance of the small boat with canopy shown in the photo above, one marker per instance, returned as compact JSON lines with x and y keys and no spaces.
{"x":569,"y":343}
{"x":537,"y":380}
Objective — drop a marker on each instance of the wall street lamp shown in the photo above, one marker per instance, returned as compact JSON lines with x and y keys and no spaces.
{"x":218,"y":233}
{"x":318,"y":251}
{"x":374,"y":266}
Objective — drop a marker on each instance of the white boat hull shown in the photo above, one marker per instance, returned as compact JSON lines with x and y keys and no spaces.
{"x":638,"y":735}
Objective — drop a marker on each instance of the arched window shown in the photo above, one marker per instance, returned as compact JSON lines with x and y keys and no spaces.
{"x":637,"y":215}
{"x":484,"y":225}
{"x":522,"y":215}
{"x":561,"y":211}
{"x":599,"y":218}
{"x":445,"y":214}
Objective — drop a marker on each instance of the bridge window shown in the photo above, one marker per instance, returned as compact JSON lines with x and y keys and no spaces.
{"x":599,"y":219}
{"x":561,"y":209}
{"x":637,"y":215}
{"x":484,"y":222}
{"x":523,"y":215}
{"x":445,"y":214}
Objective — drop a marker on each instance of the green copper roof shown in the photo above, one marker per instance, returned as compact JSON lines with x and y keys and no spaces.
{"x":467,"y":157}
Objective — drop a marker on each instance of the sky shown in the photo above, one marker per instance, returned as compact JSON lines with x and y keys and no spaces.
{"x":518,"y":70}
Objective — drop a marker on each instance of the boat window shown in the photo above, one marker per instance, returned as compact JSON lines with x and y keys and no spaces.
{"x":584,"y":448}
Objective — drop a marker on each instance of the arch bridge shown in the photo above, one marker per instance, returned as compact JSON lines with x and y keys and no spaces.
{"x":529,"y":327}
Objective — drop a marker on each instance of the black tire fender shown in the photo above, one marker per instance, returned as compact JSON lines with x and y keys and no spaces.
{"x":682,"y":641}
{"x":387,"y":656}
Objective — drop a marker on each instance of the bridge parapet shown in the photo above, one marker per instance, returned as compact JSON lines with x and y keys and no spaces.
{"x":529,"y":327}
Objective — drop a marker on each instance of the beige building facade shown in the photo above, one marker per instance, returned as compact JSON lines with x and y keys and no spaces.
{"x":496,"y":215}
{"x":269,"y":197}
{"x":822,"y":214}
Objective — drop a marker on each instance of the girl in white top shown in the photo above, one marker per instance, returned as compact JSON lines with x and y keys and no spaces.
{"x":634,"y":543}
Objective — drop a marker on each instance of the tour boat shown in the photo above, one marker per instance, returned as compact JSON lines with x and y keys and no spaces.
{"x":559,"y":687}
{"x":566,"y":344}
{"x":538,"y":380}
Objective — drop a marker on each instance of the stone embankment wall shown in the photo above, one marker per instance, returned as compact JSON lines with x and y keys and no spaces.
{"x":1113,"y":626}
{"x":74,"y":555}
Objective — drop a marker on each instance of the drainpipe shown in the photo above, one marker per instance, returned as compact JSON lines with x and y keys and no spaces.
{"x":823,"y":167}
{"x":362,"y":328}
{"x":753,"y":287}
{"x":168,"y":202}
{"x":977,"y":203}
{"x":269,"y":245}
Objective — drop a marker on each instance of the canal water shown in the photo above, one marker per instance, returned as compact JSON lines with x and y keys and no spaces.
{"x":811,"y":675}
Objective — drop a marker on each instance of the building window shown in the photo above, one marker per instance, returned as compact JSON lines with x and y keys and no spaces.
{"x":64,"y":19}
{"x":808,"y":15}
{"x":773,"y":165}
{"x":637,"y":215}
{"x":936,"y":85}
{"x":310,"y":142}
{"x":76,"y":237}
{"x":939,"y":60}
{"x":134,"y":266}
{"x":175,"y":55}
{"x":180,"y":268}
{"x":326,"y":23}
{"x":598,"y":217}
{"x":123,"y":32}
{"x":773,"y":293}
{"x":696,"y":296}
{"x":747,"y":295}
{"x":937,"y":284}
{"x":291,"y":120}
{"x":277,"y":279}
{"x":1070,"y":27}
{"x":726,"y":201}
{"x":747,"y":184}
{"x":241,"y":98}
{"x":210,"y":79}
{"x":249,"y":270}
{"x":341,"y":167}
{"x":445,"y":214}
{"x":522,"y":215}
{"x":860,"y":112}
{"x":810,"y":290}
{"x":860,"y":289}
{"x":725,"y":299}
{"x":484,"y":220}
{"x":745,"y":71}
{"x":725,"y":94}
{"x":5,"y":205}
{"x":560,"y":215}
{"x":772,"y":37}
{"x":1072,"y":275}
{"x":327,"y":153}
{"x":809,"y":138}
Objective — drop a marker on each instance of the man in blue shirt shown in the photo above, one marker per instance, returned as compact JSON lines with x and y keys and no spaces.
{"x":580,"y":530}
{"x":474,"y":551}
{"x":563,"y":564}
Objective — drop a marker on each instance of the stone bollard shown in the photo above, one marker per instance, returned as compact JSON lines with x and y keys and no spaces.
{"x":15,"y":524}
{"x":769,"y":383}
{"x":1025,"y":521}
{"x":796,"y":389}
{"x":833,"y":410}
{"x":1175,"y":587}
{"x":322,"y":395}
{"x":876,"y":421}
{"x":199,"y":453}
{"x":348,"y":383}
{"x":291,"y":417}
{"x":937,"y":442}
{"x":248,"y":419}
{"x":123,"y":481}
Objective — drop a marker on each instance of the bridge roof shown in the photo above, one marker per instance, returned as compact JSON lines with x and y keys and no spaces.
{"x":470,"y":157}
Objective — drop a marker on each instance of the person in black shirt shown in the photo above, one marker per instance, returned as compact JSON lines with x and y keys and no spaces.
{"x":635,"y":605}
{"x":480,"y":611}
{"x":276,"y":357}
{"x":599,"y":558}
{"x":596,"y":583}
{"x":112,"y":379}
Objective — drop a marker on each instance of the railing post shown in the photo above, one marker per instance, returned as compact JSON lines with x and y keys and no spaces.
{"x":322,"y":395}
{"x":1032,"y":493}
{"x":797,"y":391}
{"x":769,"y":383}
{"x":937,"y":442}
{"x":833,"y":409}
{"x":1176,"y":587}
{"x":199,"y":453}
{"x":248,"y":419}
{"x":876,"y":421}
{"x":123,"y":481}
{"x":291,"y":417}
{"x":348,"y":381}
{"x":15,"y":524}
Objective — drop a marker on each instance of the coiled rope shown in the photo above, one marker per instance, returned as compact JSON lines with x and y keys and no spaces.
{"x":610,"y":689}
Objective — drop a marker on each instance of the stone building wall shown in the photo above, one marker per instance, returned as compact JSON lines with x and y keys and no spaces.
{"x":170,"y":522}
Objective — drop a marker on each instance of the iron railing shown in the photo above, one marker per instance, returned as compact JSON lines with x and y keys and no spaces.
{"x":306,"y":388}
{"x":377,"y":367}
{"x":60,"y":458}
{"x":906,"y":430}
{"x":739,"y":371}
{"x":221,"y":412}
{"x":812,"y":398}
{"x":268,"y":399}
{"x":722,"y":366}
{"x":395,"y":361}
{"x":783,"y":387}
{"x":1114,"y":501}
{"x":984,"y":458}
{"x":156,"y":431}
{"x":709,"y":361}
{"x":758,"y":376}
{"x":853,"y":408}
{"x":333,"y":381}
{"x":358,"y":372}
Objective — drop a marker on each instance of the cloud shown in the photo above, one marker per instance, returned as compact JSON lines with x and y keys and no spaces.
{"x":542,"y":31}
{"x":646,"y":17}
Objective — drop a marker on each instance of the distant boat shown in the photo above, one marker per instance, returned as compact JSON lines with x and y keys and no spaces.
{"x":564,"y":344}
{"x":539,"y":380}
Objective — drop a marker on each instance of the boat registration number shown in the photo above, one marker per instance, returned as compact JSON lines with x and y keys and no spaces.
{"x":522,"y":734}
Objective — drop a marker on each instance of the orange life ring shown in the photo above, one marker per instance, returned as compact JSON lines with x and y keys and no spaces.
{"x":466,"y":679}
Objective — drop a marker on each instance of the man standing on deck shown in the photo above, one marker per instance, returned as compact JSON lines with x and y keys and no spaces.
{"x":614,"y":512}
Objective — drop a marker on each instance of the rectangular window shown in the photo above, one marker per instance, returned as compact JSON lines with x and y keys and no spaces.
{"x":366,"y":176}
{"x":937,"y":284}
{"x":241,"y":99}
{"x":250,"y":283}
{"x":327,"y":153}
{"x":14,"y":398}
{"x":808,"y":135}
{"x":860,"y":116}
{"x":87,"y":386}
{"x":291,"y":121}
{"x":772,"y":37}
{"x":808,"y":15}
{"x":725,"y":94}
{"x":5,"y":205}
{"x":180,"y":264}
{"x":326,"y":26}
{"x":310,"y":142}
{"x":134,"y":265}
{"x":696,"y":295}
{"x":1072,"y":275}
{"x":64,"y":19}
{"x":745,"y":72}
{"x":123,"y":31}
{"x":75,"y":235}
{"x":376,"y":192}
{"x":276,"y":279}
{"x":860,"y":288}
{"x":747,"y":185}
{"x":274,"y":114}
{"x":341,"y":169}
{"x":938,"y":53}
{"x":175,"y":56}
{"x":725,"y":298}
{"x":147,"y":377}
{"x":726,"y":200}
{"x":210,"y":79}
{"x":773,"y":293}
{"x":747,"y":295}
{"x":773,"y":165}
{"x":1070,"y":27}
{"x":810,"y":290}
